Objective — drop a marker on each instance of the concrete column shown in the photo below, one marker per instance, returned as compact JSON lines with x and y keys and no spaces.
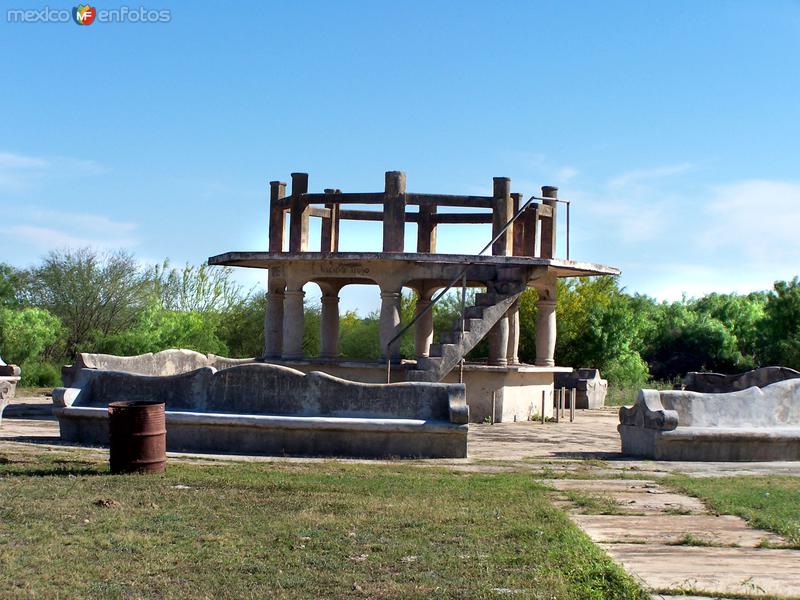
{"x":394,"y":211}
{"x":502,"y":214}
{"x":329,"y":326}
{"x":390,"y":322}
{"x":298,"y":223}
{"x":512,"y":354}
{"x":423,"y":329}
{"x":293,"y":323}
{"x":545,"y":333}
{"x":277,"y":216}
{"x":549,"y":225}
{"x":498,"y":343}
{"x":273,"y":324}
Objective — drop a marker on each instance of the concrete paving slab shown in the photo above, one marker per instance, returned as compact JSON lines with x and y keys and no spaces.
{"x":747,"y":571}
{"x":633,"y":496}
{"x":722,"y":530}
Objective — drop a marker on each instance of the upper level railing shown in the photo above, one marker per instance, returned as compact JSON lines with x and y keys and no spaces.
{"x":531,"y":232}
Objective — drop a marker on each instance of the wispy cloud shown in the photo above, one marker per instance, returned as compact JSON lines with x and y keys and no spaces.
{"x":44,"y":230}
{"x":754,"y":220}
{"x":642,"y":176}
{"x":671,"y":236}
{"x":20,"y":172}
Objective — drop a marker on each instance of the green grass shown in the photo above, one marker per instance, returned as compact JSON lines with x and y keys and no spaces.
{"x":771,"y":503}
{"x":69,"y":529}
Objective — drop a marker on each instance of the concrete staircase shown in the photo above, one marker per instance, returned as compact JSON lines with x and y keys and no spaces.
{"x":478,"y":320}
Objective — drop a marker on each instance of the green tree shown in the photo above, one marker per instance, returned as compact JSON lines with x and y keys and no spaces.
{"x":781,"y":325}
{"x":742,"y":315}
{"x":10,"y":284}
{"x":685,"y":341}
{"x":196,"y":289}
{"x":26,"y":334}
{"x":95,"y":295}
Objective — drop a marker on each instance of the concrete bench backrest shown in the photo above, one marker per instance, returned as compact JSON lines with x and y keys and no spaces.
{"x":716,"y":383}
{"x":168,"y":362}
{"x":775,"y":405}
{"x":263,"y":389}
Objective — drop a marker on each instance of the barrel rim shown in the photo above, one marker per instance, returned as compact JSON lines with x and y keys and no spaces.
{"x":123,"y":404}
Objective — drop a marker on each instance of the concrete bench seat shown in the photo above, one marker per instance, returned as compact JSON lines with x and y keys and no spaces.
{"x":270,"y":409}
{"x":755,"y":424}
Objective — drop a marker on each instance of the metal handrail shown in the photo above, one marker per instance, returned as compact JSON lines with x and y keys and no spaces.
{"x":463,"y":276}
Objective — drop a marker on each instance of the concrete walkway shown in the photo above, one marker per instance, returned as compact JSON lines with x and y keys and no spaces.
{"x":667,"y":540}
{"x":672,"y":544}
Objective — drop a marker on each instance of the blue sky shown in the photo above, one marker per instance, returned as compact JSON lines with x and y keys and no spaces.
{"x":673,"y":127}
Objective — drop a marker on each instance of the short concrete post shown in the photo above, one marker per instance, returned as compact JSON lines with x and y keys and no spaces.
{"x":277,"y":216}
{"x":273,"y":322}
{"x":544,"y":399}
{"x":300,"y":212}
{"x":572,"y":394}
{"x":562,"y":400}
{"x":390,"y":323}
{"x":329,"y":326}
{"x":394,"y":212}
{"x":557,"y":403}
{"x":423,"y":329}
{"x":293,"y":323}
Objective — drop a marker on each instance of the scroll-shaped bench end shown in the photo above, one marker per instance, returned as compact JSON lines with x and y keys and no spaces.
{"x":648,"y":412}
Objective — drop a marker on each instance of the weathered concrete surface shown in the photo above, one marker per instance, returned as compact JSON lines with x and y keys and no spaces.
{"x":755,"y":424}
{"x":261,"y":408}
{"x":717,"y":530}
{"x":517,"y":389}
{"x":590,"y":388}
{"x":166,"y":362}
{"x":633,"y":497}
{"x":752,"y":571}
{"x":716,"y":383}
{"x":662,"y":548}
{"x":9,"y":377}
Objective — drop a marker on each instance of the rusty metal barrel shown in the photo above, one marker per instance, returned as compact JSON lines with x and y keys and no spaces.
{"x":138,"y":435}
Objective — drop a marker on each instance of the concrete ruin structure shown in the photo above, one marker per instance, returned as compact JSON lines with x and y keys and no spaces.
{"x":523,"y":255}
{"x":9,"y":377}
{"x":590,"y":388}
{"x":717,"y":383}
{"x":257,"y":408}
{"x":754,"y":424}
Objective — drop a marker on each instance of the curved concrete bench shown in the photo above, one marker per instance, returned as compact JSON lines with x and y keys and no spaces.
{"x":9,"y":377}
{"x":166,"y":362}
{"x":269,"y":409}
{"x":717,"y":383}
{"x":756,"y":424}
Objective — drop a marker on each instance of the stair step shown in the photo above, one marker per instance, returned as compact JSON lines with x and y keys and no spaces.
{"x":450,"y":337}
{"x":428,"y":363}
{"x":485,"y":298}
{"x":473,"y":312}
{"x":469,"y":325}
